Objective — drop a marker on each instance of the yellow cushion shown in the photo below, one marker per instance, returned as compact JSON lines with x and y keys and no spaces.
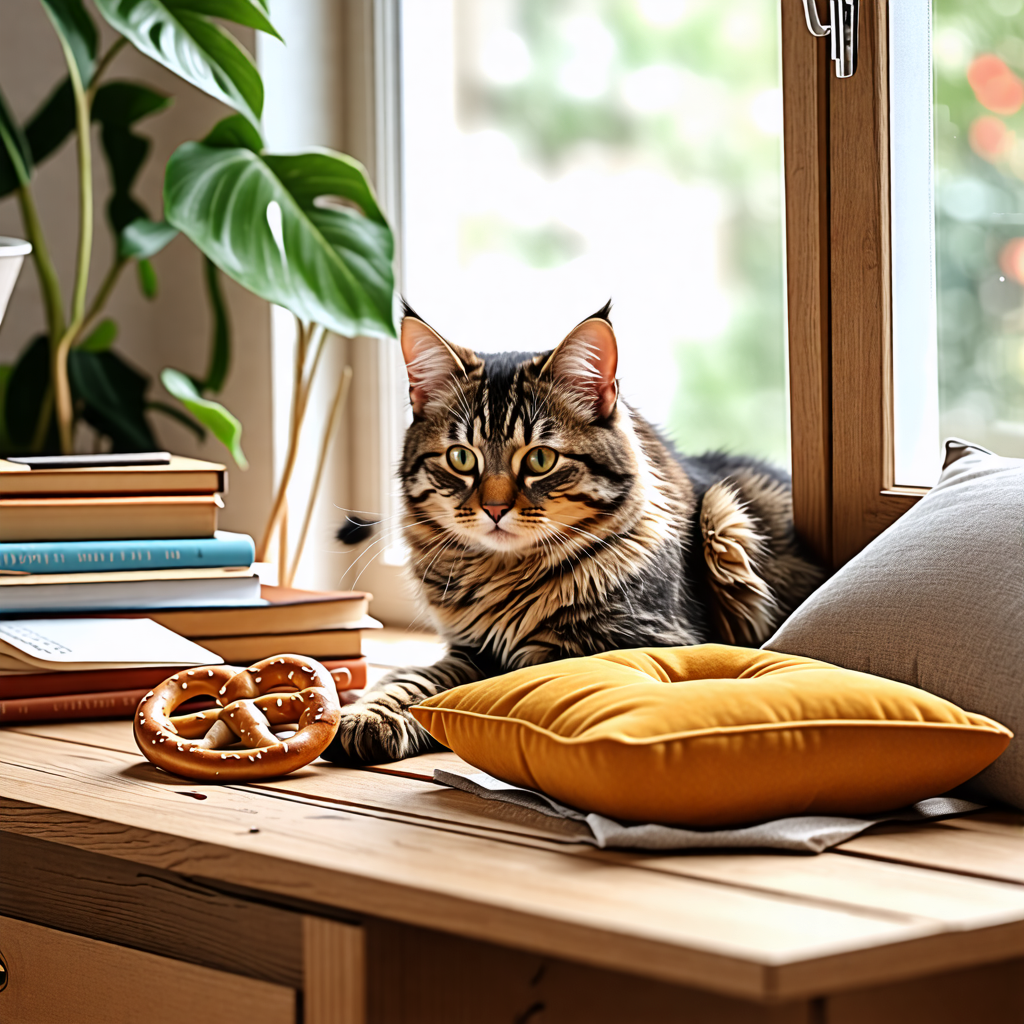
{"x":745,"y":736}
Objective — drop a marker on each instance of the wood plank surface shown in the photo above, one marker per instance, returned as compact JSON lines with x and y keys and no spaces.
{"x":903,"y":896}
{"x":999,"y":823}
{"x":446,"y":979}
{"x":116,"y":734}
{"x":422,"y":766}
{"x":903,"y":890}
{"x":56,"y":976}
{"x":994,"y":992}
{"x":334,"y":979}
{"x":377,"y":788}
{"x":153,"y":910}
{"x":857,"y":883}
{"x":591,"y":909}
{"x":910,"y":891}
{"x":960,"y":850}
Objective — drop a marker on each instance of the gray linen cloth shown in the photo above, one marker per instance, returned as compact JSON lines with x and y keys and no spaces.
{"x":810,"y":834}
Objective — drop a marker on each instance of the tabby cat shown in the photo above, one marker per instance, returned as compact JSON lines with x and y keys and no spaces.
{"x":547,"y":520}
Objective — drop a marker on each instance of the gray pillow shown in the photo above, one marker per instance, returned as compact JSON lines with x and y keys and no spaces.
{"x":937,"y":601}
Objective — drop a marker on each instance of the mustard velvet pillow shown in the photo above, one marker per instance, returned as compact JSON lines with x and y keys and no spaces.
{"x":737,"y":736}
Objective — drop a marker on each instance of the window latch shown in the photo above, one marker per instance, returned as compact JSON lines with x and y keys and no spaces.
{"x":842,"y":30}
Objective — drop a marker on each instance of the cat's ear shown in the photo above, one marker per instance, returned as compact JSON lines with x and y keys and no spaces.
{"x":586,"y":362}
{"x":429,"y":359}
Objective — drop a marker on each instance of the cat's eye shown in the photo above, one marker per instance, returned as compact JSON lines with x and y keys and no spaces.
{"x":541,"y":460}
{"x":461,"y":458}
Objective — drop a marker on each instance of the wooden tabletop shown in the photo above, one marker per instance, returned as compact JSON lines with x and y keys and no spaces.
{"x":900,"y":902}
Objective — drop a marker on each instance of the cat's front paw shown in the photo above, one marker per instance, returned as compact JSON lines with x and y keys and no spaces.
{"x":376,"y":730}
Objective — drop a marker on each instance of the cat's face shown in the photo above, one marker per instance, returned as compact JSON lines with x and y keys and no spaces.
{"x":517,"y":453}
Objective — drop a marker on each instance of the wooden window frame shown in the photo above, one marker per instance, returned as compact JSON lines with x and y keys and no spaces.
{"x":839,"y":291}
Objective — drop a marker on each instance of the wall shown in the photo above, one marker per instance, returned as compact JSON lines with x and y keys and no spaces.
{"x":327,"y":87}
{"x":174,"y":329}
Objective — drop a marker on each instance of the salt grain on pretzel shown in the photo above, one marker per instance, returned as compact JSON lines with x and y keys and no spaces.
{"x":248,"y":712}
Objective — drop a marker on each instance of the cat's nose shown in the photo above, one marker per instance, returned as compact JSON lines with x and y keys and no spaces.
{"x":496,"y":511}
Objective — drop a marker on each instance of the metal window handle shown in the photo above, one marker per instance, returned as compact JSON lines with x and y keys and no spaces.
{"x":843,"y":30}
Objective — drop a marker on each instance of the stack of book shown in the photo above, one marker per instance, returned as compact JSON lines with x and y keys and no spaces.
{"x":136,"y":537}
{"x":114,"y":531}
{"x":86,"y":668}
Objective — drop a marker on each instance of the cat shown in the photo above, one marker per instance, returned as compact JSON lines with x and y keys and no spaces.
{"x":547,"y":519}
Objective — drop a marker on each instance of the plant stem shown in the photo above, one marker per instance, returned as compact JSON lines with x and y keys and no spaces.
{"x":340,"y":395}
{"x":100,"y":299}
{"x":300,"y":396}
{"x":282,"y":546}
{"x":59,"y":349}
{"x":104,"y":63}
{"x":44,"y":264}
{"x":43,"y":423}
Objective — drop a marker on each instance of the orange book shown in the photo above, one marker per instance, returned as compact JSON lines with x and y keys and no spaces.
{"x":106,"y":704}
{"x":178,"y":475}
{"x":52,"y":684}
{"x":109,"y":518}
{"x":120,"y":703}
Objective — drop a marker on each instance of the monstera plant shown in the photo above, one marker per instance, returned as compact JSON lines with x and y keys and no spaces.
{"x":300,"y":230}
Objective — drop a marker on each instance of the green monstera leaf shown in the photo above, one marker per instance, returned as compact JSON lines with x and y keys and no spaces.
{"x":224,"y":426}
{"x":114,"y":397}
{"x":143,"y":238}
{"x":302,"y":231}
{"x":26,"y":387}
{"x":182,"y":35}
{"x":220,"y":343}
{"x":117,"y":106}
{"x":101,"y":337}
{"x":77,"y":34}
{"x":15,"y":152}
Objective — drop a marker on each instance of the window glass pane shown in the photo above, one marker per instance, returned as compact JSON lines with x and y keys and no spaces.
{"x":976,"y":75}
{"x":560,"y":152}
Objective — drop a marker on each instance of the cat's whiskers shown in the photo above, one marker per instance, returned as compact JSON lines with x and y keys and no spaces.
{"x":385,"y":537}
{"x":383,"y":542}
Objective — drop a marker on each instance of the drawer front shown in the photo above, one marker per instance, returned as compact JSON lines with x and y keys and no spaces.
{"x":55,"y":977}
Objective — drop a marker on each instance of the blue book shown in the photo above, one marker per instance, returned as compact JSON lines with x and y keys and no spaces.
{"x":222,"y":549}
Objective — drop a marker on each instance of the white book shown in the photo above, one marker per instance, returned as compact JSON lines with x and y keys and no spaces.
{"x":82,"y":645}
{"x":128,"y":594}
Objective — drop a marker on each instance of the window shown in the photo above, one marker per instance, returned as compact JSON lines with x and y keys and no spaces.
{"x":840,"y":281}
{"x":838,"y":242}
{"x":957,"y":103}
{"x":560,"y":153}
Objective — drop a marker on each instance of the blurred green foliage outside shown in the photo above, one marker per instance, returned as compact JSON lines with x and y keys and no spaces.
{"x":690,"y":87}
{"x":978,"y":56}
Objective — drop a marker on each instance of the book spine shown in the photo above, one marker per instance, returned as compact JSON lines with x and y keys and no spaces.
{"x":349,"y":674}
{"x":116,"y":704}
{"x":75,"y":706}
{"x":122,"y":555}
{"x":51,"y":684}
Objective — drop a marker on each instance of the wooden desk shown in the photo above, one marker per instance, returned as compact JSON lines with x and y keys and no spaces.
{"x":337,"y":896}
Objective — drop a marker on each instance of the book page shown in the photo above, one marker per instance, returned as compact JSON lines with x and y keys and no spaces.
{"x":83,"y":644}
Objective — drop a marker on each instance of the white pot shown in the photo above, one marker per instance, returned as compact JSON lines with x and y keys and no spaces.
{"x":12,"y":254}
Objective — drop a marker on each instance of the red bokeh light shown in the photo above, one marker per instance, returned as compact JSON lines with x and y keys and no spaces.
{"x":1011,"y":259}
{"x":990,"y":138}
{"x":995,"y":85}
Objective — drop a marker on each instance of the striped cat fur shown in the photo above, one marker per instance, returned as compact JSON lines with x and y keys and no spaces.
{"x":547,"y":520}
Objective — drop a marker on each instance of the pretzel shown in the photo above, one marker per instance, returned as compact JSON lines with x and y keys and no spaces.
{"x":286,"y":690}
